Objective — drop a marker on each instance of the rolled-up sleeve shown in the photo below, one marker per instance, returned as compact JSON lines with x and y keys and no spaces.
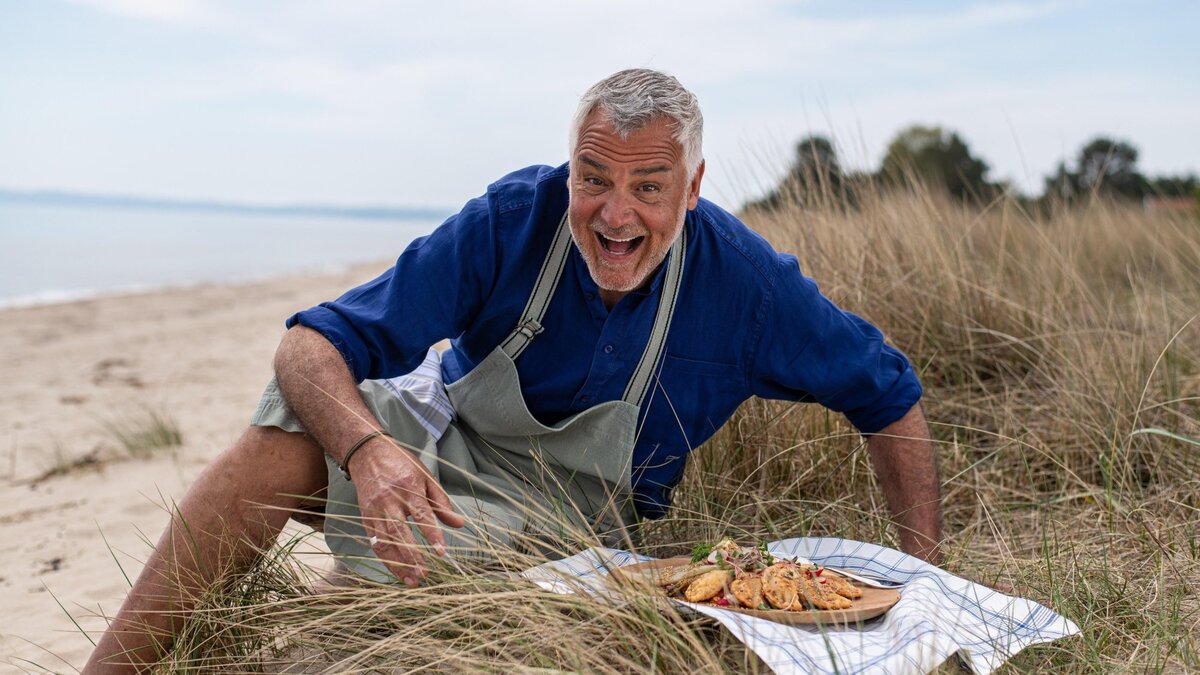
{"x":811,"y":350}
{"x":330,"y":319}
{"x":384,"y":327}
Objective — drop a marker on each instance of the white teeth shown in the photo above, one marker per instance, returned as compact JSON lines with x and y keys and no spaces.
{"x":619,"y":241}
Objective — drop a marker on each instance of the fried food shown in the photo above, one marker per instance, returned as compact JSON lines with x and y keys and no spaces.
{"x":677,"y":579}
{"x":707,"y":585}
{"x":842,"y":586}
{"x":778,"y":586}
{"x":815,"y":592}
{"x":748,"y":590}
{"x":727,"y":574}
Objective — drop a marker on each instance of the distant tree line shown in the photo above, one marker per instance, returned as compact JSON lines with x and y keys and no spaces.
{"x":940,"y":159}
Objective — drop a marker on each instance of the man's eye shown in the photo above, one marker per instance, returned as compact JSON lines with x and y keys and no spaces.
{"x":650,"y":187}
{"x":592,"y":180}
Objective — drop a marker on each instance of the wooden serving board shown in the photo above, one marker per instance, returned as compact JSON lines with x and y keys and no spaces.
{"x":874,"y":602}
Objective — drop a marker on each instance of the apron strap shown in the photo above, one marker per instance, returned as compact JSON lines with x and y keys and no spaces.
{"x":639,"y":383}
{"x":530,"y":323}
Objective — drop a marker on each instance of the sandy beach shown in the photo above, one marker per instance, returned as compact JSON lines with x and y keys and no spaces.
{"x":73,"y":372}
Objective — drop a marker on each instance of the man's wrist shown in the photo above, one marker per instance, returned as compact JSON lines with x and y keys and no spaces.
{"x":344,"y":465}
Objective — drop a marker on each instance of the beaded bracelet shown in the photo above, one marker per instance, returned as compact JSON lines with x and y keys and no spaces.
{"x":344,"y":467}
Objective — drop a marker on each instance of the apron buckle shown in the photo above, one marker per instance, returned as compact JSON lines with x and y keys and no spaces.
{"x":530,"y":328}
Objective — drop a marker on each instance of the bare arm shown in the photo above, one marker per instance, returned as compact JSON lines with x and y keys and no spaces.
{"x":906,"y":464}
{"x":392,"y":485}
{"x":321,"y":391}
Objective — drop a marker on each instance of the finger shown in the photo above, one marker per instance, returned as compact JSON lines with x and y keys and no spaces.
{"x":405,"y":549}
{"x":394,"y":545}
{"x":422,"y":516}
{"x":400,"y":559}
{"x":410,"y":500}
{"x":433,"y":494}
{"x":442,"y":506}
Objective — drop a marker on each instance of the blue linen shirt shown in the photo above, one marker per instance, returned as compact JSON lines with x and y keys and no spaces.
{"x":747,"y":323}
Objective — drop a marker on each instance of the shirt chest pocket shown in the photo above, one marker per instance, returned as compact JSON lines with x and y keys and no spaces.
{"x":703,"y":385}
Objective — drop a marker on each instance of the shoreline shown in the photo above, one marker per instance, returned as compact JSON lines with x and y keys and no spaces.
{"x":56,"y":296}
{"x":79,"y":501}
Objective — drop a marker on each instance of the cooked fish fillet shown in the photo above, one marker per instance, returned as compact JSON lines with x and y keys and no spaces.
{"x":779,"y":590}
{"x":707,"y":586}
{"x":748,"y":589}
{"x":818,"y":595}
{"x":842,"y":586}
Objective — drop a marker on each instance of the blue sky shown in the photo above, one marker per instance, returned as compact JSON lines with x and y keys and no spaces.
{"x":420,"y":103}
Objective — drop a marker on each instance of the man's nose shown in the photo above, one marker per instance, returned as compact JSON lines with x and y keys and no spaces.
{"x":618,"y":209}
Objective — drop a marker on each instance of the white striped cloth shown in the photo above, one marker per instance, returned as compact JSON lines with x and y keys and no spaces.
{"x":939,"y":615}
{"x":424,"y":394}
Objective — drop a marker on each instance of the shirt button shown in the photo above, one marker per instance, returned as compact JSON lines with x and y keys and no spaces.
{"x":591,"y":295}
{"x":608,"y":349}
{"x":585,"y":398}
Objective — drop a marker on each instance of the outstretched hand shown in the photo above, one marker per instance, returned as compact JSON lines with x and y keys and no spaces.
{"x":394,"y":486}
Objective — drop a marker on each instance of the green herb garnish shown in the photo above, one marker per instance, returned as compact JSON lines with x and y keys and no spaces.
{"x":768,"y":559}
{"x":701,"y":551}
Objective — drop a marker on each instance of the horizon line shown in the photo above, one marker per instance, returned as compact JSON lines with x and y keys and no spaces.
{"x":53,"y":197}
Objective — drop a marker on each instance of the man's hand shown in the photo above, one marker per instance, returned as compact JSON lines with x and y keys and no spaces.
{"x":393,"y":486}
{"x":906,"y":465}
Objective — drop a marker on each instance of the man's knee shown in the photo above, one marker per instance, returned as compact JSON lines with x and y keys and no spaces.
{"x":282,"y":461}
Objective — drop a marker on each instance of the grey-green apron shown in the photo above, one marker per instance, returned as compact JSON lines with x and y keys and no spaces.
{"x":513,"y":478}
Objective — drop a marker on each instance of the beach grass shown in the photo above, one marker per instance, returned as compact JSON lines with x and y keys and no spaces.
{"x":1060,"y":354}
{"x":142,"y":433}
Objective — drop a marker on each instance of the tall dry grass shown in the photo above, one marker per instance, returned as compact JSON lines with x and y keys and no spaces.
{"x":1061,"y":359}
{"x":1055,"y":351}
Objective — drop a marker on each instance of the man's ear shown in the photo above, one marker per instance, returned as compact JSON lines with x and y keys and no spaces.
{"x":694,"y":187}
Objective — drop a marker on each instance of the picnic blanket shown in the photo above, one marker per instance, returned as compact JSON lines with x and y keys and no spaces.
{"x":939,"y":614}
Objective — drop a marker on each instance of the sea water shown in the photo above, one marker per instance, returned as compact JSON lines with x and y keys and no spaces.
{"x":55,"y":253}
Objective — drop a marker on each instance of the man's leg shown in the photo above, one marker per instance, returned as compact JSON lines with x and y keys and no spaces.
{"x":233,"y":511}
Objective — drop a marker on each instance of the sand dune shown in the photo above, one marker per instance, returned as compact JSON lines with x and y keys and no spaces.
{"x":72,"y":372}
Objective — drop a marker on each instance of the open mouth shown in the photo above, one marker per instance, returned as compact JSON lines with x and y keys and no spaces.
{"x":619,"y":247}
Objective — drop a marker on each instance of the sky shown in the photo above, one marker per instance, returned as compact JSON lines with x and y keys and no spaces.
{"x":425,"y":103}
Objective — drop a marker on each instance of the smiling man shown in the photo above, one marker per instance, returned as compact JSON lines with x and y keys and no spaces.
{"x":630,"y":190}
{"x":604,"y":321}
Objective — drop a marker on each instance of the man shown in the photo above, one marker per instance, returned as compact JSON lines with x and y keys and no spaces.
{"x":605,"y":321}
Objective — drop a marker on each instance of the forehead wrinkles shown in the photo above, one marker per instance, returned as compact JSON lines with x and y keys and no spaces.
{"x":637,"y":148}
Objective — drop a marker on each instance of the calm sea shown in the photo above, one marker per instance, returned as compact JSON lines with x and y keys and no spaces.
{"x":53,"y":253}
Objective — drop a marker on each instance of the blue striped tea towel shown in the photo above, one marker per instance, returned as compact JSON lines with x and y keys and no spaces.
{"x":424,"y":394}
{"x":939,"y":614}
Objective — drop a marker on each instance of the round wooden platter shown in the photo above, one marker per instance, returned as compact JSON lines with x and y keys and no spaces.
{"x":874,"y":602}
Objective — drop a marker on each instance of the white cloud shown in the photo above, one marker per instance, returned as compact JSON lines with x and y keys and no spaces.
{"x":179,"y":12}
{"x":387,"y":101}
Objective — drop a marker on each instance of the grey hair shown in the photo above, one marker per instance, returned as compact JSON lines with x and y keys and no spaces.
{"x":631,"y":99}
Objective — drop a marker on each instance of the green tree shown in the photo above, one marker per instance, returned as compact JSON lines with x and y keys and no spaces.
{"x":1174,"y":186}
{"x":817,"y":163}
{"x":1109,"y":167}
{"x":815,"y":176}
{"x":1062,"y":184}
{"x":938,"y":157}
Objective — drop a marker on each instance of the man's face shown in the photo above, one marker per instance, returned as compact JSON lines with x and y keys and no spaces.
{"x":628,"y":201}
